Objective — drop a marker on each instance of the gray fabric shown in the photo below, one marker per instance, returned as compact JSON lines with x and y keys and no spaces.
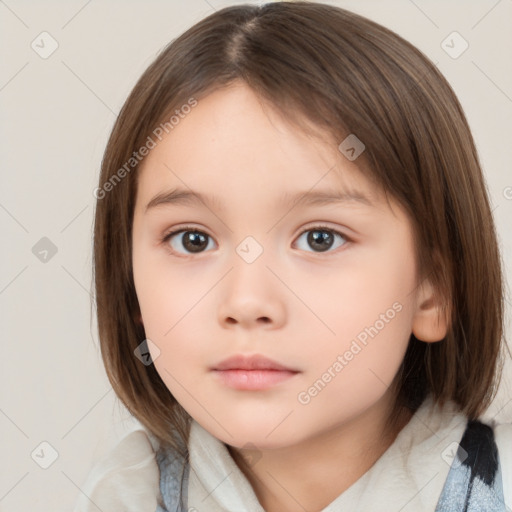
{"x":174,"y":475}
{"x":474,"y":483}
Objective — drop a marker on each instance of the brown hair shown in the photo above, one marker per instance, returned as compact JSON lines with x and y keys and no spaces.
{"x":346,"y":74}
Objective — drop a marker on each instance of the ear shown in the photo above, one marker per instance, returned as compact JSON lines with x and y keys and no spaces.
{"x":430,"y":321}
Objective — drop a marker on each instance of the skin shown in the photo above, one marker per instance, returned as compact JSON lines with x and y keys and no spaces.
{"x":294,"y":304}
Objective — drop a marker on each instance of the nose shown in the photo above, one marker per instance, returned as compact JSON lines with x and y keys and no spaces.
{"x":252,"y":297}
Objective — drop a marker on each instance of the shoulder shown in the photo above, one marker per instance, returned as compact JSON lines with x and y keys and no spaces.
{"x":127,"y":478}
{"x":503,"y":438}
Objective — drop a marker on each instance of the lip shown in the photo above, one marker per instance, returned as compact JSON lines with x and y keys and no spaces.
{"x":254,"y":372}
{"x":252,"y":362}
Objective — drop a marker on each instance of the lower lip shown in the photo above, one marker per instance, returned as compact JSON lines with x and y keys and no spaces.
{"x":253,"y":379}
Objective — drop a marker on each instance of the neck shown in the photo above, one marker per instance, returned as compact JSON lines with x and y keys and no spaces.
{"x":311,"y":474}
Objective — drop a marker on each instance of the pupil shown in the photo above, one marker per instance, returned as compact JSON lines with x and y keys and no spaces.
{"x":318,"y":238}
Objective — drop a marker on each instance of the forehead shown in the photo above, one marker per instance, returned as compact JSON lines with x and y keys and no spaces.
{"x":232,"y":144}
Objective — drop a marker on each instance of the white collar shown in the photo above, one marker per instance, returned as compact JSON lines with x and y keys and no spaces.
{"x":409,"y":476}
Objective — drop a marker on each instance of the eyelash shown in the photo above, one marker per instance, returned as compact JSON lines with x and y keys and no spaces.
{"x":182,"y":229}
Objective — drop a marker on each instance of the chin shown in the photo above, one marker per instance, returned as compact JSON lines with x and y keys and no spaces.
{"x":262,"y":435}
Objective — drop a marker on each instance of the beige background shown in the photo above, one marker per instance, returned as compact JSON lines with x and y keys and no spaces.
{"x":57,"y":113}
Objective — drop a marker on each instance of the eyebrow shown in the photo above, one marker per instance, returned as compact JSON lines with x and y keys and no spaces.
{"x":181,"y":196}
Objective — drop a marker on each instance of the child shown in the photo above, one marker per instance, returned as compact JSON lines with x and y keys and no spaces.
{"x":270,"y":373}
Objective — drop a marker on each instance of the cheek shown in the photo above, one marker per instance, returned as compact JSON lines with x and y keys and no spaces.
{"x":166,"y":292}
{"x":369,"y":306}
{"x":354,"y":298}
{"x":171,"y":302}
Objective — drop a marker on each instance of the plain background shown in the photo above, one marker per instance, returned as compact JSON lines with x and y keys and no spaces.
{"x":57,"y":113}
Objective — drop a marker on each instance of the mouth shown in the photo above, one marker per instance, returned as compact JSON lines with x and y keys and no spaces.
{"x":251,"y":362}
{"x":254,"y":372}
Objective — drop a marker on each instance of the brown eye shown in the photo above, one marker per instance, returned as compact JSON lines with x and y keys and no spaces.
{"x":191,"y":240}
{"x":322,"y":239}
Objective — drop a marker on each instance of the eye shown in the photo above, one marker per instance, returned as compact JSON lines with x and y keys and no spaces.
{"x":193,"y":240}
{"x":322,"y":238}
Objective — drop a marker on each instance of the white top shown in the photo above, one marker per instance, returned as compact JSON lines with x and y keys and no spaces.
{"x":408,"y":477}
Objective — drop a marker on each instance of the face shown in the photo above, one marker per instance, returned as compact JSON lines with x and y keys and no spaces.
{"x":324,"y":287}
